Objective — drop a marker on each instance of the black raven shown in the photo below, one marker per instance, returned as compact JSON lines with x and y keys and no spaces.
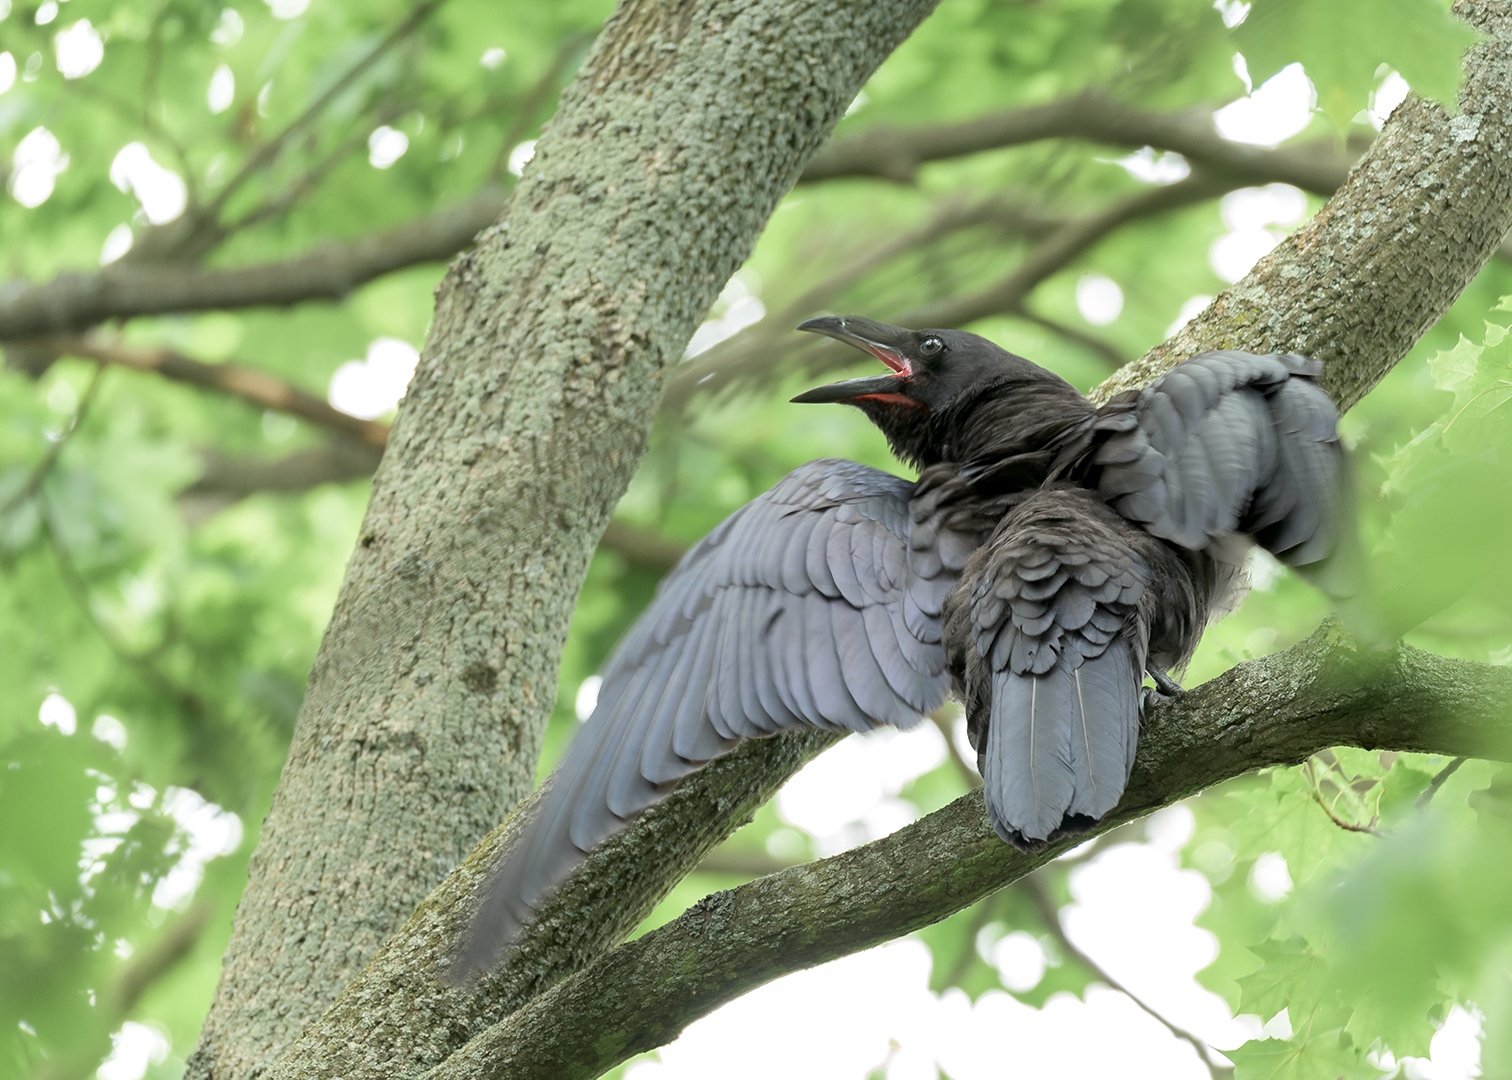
{"x":1049,"y":556}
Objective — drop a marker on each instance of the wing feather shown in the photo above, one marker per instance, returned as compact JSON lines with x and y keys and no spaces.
{"x":1231,"y":442}
{"x":814,"y":605}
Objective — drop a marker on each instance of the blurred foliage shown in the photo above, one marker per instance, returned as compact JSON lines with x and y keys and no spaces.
{"x":1341,"y":44}
{"x":167,"y":648}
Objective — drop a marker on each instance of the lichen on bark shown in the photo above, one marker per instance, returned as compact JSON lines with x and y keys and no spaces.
{"x":529,"y":410}
{"x":525,"y":420}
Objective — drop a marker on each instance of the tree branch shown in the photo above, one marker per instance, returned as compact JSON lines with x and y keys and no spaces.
{"x":133,"y":980}
{"x":140,"y":661}
{"x":146,"y":968}
{"x":270,"y":150}
{"x":1326,"y":691}
{"x":75,"y":302}
{"x":1438,"y":782}
{"x":896,"y":153}
{"x":748,"y":355}
{"x":642,"y":547}
{"x":227,"y":480}
{"x":1080,"y":338}
{"x":1356,"y":287}
{"x":1323,"y":692}
{"x":40,"y":472}
{"x":250,"y":384}
{"x":1057,"y":250}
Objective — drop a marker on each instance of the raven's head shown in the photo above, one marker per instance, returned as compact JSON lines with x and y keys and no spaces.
{"x":935,"y":378}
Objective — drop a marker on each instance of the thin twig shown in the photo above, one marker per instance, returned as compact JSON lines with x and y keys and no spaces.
{"x":50,"y":459}
{"x":78,"y":590}
{"x":749,"y":351}
{"x":292,"y":192}
{"x":1438,"y":781}
{"x":1035,"y":889}
{"x":1314,"y":786}
{"x":1056,"y":251}
{"x":1061,"y":244}
{"x":944,"y":719}
{"x":1347,"y":826}
{"x":256,"y":387}
{"x":273,"y":147}
{"x":1089,"y":342}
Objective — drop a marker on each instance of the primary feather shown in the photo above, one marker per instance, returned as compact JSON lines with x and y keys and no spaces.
{"x":1049,"y":554}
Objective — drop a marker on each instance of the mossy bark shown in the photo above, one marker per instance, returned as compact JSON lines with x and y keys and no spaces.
{"x":525,"y":420}
{"x":1418,"y":217}
{"x":1326,"y":691}
{"x":530,"y":409}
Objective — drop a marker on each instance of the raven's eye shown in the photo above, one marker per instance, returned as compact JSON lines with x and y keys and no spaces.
{"x":931,"y":346}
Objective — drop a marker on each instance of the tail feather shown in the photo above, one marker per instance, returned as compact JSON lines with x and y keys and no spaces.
{"x":1060,"y":746}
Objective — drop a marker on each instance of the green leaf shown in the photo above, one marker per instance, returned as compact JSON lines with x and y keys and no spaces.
{"x":1341,"y":43}
{"x":1330,"y":1055}
{"x":1454,"y":368}
{"x":1288,"y":976}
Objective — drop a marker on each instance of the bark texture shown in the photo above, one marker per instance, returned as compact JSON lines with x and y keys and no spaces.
{"x":1326,"y":691}
{"x":400,"y":1016}
{"x":1412,"y":225}
{"x":549,"y":350}
{"x":1420,"y":214}
{"x":527,"y":415}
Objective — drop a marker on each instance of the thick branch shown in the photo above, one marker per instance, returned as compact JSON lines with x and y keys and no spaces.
{"x":1277,"y":711}
{"x":1413,"y":225}
{"x":896,"y":153}
{"x":75,"y":302}
{"x":1324,"y":692}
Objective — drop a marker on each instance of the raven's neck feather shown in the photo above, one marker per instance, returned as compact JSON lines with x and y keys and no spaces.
{"x":1032,"y":430}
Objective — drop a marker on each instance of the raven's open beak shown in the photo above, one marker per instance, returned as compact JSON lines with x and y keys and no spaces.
{"x":880,"y":340}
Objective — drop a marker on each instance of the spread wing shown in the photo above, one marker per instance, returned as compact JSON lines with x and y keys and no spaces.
{"x":816,"y":604}
{"x":1230,"y":442}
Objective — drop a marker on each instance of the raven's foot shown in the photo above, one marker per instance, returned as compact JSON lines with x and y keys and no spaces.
{"x":1167,"y":686}
{"x":1166,"y":689}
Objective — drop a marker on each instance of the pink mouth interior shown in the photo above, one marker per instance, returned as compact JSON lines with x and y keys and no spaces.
{"x":896,"y":362}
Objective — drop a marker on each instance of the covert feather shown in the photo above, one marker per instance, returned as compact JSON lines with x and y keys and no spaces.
{"x":1050,"y":555}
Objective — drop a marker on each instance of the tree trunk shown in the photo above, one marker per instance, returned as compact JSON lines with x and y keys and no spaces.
{"x":425,"y":707}
{"x":1408,"y":231}
{"x":526,"y":418}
